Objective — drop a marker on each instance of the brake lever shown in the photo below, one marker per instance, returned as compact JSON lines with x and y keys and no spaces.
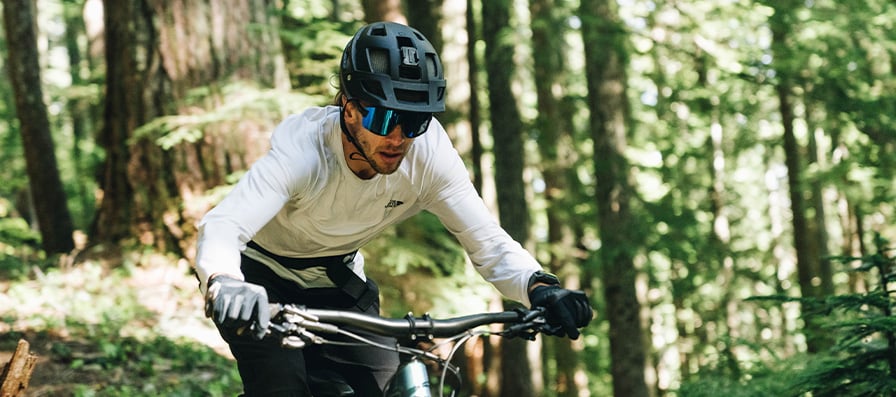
{"x":519,"y":330}
{"x":296,"y":327}
{"x":531,"y":323}
{"x":531,"y":315}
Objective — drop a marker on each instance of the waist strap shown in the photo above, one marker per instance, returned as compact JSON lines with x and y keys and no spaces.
{"x":337,"y":271}
{"x":304,"y":263}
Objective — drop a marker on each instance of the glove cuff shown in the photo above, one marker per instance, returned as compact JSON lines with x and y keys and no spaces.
{"x":542,"y":277}
{"x":221,"y":277}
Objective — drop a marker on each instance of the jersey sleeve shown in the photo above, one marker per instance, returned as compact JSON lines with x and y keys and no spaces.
{"x":253,"y":202}
{"x":495,"y":254}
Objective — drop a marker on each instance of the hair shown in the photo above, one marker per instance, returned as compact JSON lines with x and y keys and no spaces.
{"x":340,"y":92}
{"x":339,"y":98}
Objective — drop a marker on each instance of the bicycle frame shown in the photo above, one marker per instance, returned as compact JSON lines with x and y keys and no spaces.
{"x":411,"y":380}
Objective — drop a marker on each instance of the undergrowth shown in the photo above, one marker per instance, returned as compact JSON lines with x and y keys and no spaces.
{"x":132,"y":330}
{"x":861,"y":360}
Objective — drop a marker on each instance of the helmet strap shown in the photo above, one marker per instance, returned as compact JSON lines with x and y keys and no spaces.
{"x":350,"y":138}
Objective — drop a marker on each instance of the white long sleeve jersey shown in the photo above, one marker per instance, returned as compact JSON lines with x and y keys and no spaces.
{"x":301,"y":200}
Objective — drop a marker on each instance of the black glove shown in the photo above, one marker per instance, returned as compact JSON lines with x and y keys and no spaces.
{"x":232,"y":303}
{"x":566,"y":309}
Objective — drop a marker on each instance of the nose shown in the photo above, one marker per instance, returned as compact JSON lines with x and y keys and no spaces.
{"x":396,"y":135}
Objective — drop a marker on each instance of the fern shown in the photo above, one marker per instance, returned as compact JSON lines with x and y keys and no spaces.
{"x":863,"y":360}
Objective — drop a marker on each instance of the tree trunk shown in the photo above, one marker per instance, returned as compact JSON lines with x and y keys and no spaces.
{"x":818,"y":227}
{"x":49,"y":198}
{"x":476,"y":150}
{"x":426,"y":16}
{"x":807,"y":258}
{"x":157,"y":53}
{"x":604,"y":63}
{"x":477,"y":387}
{"x":80,"y":111}
{"x":507,"y":129}
{"x":123,"y":113}
{"x":383,"y":10}
{"x":558,"y":156}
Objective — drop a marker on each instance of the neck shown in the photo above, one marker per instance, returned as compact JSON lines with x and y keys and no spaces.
{"x":355,"y":160}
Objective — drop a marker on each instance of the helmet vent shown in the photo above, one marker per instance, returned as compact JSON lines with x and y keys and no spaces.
{"x":379,"y":60}
{"x":409,"y":72}
{"x":410,"y":96}
{"x":404,"y":41}
{"x":379,"y":30}
{"x":431,"y":66}
{"x":375,"y":88}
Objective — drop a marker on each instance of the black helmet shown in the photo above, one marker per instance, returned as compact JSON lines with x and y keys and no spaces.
{"x":392,"y":65}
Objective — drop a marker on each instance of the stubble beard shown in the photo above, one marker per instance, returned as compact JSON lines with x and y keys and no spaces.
{"x":374,"y":160}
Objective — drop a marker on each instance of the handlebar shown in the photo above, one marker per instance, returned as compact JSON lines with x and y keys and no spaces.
{"x":294,"y":320}
{"x":296,"y":326}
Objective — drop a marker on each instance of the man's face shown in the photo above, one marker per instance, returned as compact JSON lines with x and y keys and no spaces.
{"x":384,"y":153}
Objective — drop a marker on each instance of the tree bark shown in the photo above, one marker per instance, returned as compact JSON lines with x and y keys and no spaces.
{"x":426,"y":16}
{"x":48,"y":195}
{"x":83,"y":113}
{"x":818,"y":226}
{"x":604,"y":63}
{"x":157,"y":53}
{"x":476,"y":150}
{"x":558,"y":155}
{"x":808,"y":259}
{"x":383,"y":10}
{"x":123,"y":113}
{"x":507,"y":129}
{"x":16,"y":373}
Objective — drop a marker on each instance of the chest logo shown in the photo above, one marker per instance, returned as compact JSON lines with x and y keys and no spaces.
{"x":394,"y":203}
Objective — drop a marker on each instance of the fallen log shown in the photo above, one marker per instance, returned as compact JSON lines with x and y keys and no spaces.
{"x":17,"y":372}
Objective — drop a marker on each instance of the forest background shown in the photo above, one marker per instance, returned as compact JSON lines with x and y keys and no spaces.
{"x":717,"y":175}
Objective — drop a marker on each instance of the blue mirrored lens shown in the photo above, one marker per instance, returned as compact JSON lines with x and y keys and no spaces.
{"x":381,"y":121}
{"x":415,"y":124}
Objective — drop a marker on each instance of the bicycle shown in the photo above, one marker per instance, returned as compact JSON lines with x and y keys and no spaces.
{"x":296,"y":327}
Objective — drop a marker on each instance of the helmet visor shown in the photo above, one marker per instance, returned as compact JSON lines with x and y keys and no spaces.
{"x":381,"y":121}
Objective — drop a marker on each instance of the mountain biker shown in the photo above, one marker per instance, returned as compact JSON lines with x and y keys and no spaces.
{"x":334,"y":178}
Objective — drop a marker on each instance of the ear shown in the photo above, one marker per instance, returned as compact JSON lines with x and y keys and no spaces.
{"x":351,"y":111}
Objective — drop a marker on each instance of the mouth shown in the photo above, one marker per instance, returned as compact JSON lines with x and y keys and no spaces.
{"x":392,"y":156}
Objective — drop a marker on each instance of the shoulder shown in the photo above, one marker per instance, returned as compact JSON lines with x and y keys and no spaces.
{"x":435,"y":142}
{"x":301,"y":147}
{"x":437,"y":166}
{"x":309,"y":125}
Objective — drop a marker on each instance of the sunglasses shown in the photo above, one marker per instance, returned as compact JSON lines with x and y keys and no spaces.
{"x":382,"y":120}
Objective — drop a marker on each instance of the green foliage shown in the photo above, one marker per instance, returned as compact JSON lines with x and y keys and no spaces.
{"x":421,"y":267}
{"x":313,"y":46}
{"x":12,"y":157}
{"x":15,"y":232}
{"x":761,"y":382}
{"x":230,"y":104}
{"x":699,"y":71}
{"x":19,"y":243}
{"x":422,"y":242}
{"x":861,"y":363}
{"x":153,"y":367}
